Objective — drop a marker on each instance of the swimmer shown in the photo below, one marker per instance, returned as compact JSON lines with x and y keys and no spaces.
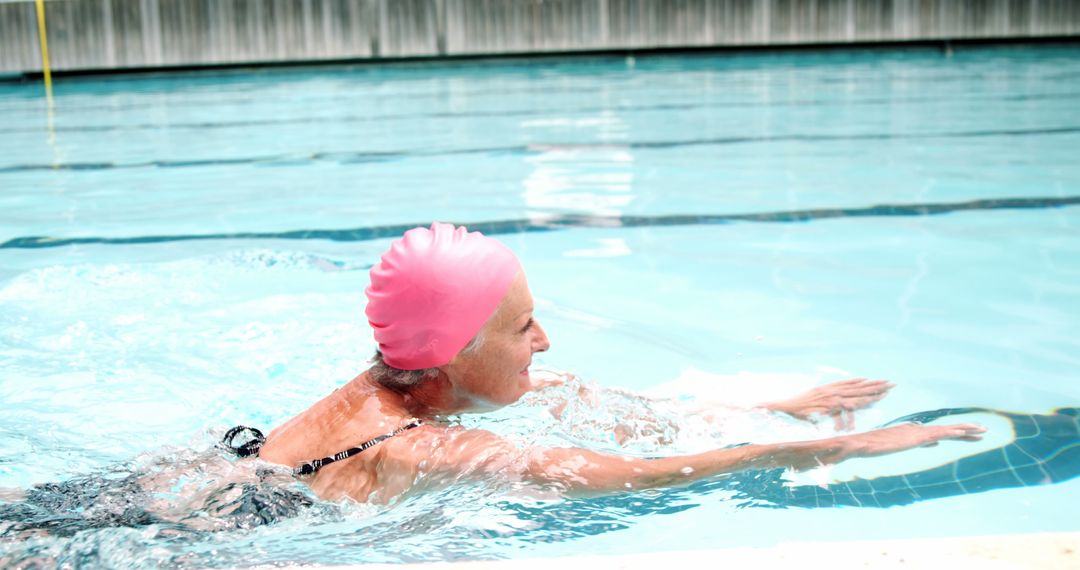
{"x":456,"y":331}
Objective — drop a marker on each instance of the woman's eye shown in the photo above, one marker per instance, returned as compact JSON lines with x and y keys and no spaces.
{"x":527,"y":326}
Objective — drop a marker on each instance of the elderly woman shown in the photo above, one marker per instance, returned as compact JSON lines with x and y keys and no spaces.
{"x":453,"y":318}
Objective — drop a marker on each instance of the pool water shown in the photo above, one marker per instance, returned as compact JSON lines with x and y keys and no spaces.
{"x":183,"y":253}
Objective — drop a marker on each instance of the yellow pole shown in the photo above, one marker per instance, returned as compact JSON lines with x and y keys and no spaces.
{"x":47,"y":72}
{"x":44,"y":50}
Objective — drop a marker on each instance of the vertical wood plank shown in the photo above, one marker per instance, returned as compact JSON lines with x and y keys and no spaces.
{"x":106,"y":34}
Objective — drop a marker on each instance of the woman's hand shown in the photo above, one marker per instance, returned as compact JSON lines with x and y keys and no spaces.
{"x":836,"y":399}
{"x":878,"y":442}
{"x":907,"y":436}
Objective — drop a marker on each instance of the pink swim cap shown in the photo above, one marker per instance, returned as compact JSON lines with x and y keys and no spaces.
{"x":433,"y":290}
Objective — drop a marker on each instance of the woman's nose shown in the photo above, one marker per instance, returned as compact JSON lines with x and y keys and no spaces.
{"x":540,"y":341}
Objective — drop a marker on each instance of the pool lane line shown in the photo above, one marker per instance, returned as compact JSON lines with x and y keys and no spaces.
{"x":531,"y":112}
{"x":563,"y":222}
{"x":354,"y":157}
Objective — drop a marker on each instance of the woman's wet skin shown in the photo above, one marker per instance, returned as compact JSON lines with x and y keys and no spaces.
{"x":498,"y":373}
{"x":495,"y":375}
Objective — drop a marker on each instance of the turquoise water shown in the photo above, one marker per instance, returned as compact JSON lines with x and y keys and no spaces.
{"x":163,"y":275}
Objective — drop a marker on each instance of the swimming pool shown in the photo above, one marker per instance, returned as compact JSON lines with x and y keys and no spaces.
{"x":183,"y":253}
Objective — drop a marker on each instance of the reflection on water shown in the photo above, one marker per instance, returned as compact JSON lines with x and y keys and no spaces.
{"x":593,"y":178}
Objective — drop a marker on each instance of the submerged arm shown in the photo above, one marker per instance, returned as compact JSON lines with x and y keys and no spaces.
{"x":582,"y":470}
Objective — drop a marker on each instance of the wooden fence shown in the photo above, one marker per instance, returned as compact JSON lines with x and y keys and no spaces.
{"x":123,"y":34}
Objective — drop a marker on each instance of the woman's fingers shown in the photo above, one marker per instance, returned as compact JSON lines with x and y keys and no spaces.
{"x":966,"y":430}
{"x":843,"y":420}
{"x":852,"y":403}
{"x":857,"y":381}
{"x":909,"y":435}
{"x":961,"y":432}
{"x":838,"y":399}
{"x":865,"y":388}
{"x":864,"y":401}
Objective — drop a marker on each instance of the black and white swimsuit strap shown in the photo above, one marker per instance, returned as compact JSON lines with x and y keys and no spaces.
{"x":313,"y":466}
{"x":254,"y":440}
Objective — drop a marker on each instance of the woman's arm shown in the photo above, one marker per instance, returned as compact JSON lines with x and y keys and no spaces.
{"x":583,"y":471}
{"x":836,"y":400}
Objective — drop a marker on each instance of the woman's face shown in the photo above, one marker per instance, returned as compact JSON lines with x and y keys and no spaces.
{"x":497,"y":373}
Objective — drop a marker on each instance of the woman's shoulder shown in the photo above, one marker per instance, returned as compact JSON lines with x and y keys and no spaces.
{"x":435,"y":447}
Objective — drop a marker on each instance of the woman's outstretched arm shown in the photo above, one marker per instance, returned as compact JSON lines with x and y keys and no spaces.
{"x":579,"y":470}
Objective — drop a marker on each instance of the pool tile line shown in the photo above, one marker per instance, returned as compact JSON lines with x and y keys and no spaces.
{"x":563,"y":222}
{"x":355,"y":157}
{"x":532,"y":112}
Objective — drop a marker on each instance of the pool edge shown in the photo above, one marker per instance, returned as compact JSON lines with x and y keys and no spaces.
{"x":1042,"y":550}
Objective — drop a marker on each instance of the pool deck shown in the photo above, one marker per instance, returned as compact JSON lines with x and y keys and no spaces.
{"x":1049,"y":550}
